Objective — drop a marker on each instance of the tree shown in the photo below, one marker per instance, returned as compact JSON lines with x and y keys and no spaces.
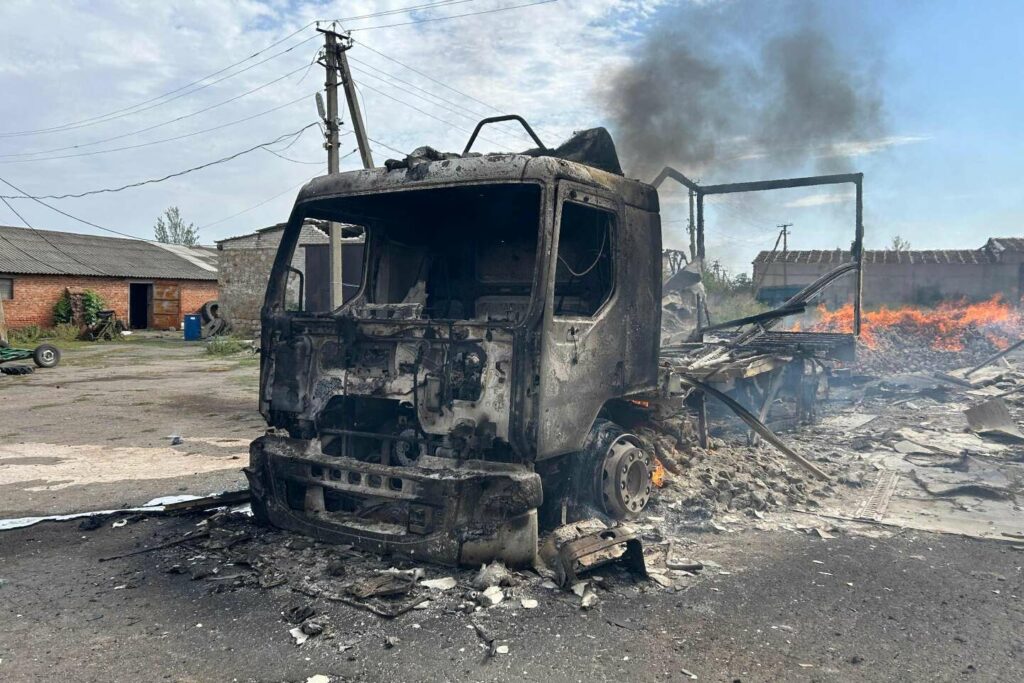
{"x":173,"y":230}
{"x":899,"y":244}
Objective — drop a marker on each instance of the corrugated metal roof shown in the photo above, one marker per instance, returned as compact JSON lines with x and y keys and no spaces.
{"x":47,"y":252}
{"x":878,"y":256}
{"x":1007,"y":243}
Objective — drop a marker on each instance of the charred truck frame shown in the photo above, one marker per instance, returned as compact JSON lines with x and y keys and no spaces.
{"x":509,"y":311}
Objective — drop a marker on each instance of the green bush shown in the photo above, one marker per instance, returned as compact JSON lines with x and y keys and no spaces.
{"x":25,"y":336}
{"x":226,"y":346}
{"x":64,"y":332}
{"x":92,"y":304}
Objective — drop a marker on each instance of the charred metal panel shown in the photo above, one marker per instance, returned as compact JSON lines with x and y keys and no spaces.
{"x":452,"y":513}
{"x":589,"y":359}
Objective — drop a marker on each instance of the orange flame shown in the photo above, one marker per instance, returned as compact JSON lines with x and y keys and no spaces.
{"x":945,"y":327}
{"x":658,"y":475}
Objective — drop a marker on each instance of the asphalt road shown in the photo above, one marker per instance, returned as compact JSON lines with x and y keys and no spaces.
{"x":784,"y":606}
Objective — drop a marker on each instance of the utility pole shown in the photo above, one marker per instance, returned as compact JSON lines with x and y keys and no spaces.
{"x":354,"y":112}
{"x":785,"y":245}
{"x":335,"y":62}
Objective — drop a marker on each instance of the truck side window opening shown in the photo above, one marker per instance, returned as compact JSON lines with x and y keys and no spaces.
{"x":583,"y":275}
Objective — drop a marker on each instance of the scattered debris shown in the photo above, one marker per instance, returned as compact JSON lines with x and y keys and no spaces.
{"x":299,"y":613}
{"x":383,"y":584}
{"x":583,"y":546}
{"x":493,"y":574}
{"x":993,"y":418}
{"x":299,"y":635}
{"x":447,"y":583}
{"x":490,"y":596}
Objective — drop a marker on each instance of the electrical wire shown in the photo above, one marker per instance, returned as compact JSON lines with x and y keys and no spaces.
{"x":597,"y":259}
{"x":151,"y":181}
{"x":270,"y":199}
{"x":428,"y":114}
{"x":171,"y":139}
{"x":43,"y":237}
{"x":456,"y":16}
{"x":161,"y":124}
{"x":385,"y":146}
{"x":471,"y":115}
{"x":141,"y":106}
{"x":88,"y":123}
{"x":402,"y":10}
{"x":72,"y":217}
{"x":433,"y":80}
{"x":294,"y":161}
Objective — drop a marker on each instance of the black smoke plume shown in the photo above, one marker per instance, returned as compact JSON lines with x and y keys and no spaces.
{"x":725,"y":83}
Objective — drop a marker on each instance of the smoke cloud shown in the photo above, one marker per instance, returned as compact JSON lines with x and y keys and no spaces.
{"x":732,"y":82}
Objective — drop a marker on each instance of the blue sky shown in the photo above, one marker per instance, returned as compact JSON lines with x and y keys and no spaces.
{"x":943,"y":174}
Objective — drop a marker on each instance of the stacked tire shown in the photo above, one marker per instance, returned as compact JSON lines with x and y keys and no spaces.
{"x":214,"y":323}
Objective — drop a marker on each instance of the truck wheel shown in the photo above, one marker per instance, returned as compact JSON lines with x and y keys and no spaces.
{"x":612,"y":474}
{"x":46,"y":356}
{"x":626,"y":477}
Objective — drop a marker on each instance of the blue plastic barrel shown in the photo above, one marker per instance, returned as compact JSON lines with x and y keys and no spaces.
{"x":193,"y":327}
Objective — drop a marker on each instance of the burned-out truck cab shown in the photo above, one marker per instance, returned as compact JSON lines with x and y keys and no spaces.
{"x":508,"y":303}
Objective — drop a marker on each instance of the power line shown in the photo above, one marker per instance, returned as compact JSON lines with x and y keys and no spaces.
{"x":294,"y":161}
{"x":140,"y":106}
{"x":426,"y":113}
{"x":75,"y":218}
{"x":402,"y":10}
{"x":166,"y":177}
{"x":455,"y":16}
{"x":465,"y":111}
{"x":43,"y":237}
{"x":254,"y":206}
{"x":96,"y":120}
{"x":378,"y":142}
{"x":171,"y":139}
{"x":158,"y":125}
{"x":270,"y":199}
{"x":430,"y":78}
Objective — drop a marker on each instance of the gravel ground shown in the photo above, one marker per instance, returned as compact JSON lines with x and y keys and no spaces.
{"x":783,"y":606}
{"x":71,"y":436}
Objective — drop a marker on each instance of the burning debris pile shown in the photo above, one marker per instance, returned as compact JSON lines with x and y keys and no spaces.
{"x":912,"y":339}
{"x":729,"y":476}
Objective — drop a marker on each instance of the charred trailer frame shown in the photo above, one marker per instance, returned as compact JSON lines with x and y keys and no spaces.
{"x":508,"y":302}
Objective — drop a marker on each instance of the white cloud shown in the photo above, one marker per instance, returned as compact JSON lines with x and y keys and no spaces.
{"x":819,"y":200}
{"x":859,"y":148}
{"x":542,"y":62}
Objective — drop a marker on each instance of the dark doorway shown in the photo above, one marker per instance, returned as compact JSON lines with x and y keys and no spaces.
{"x":140,"y":296}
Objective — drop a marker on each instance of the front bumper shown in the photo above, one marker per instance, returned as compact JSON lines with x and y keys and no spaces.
{"x":441,"y":510}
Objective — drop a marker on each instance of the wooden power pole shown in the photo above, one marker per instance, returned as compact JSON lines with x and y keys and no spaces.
{"x":336,"y":62}
{"x":785,"y":247}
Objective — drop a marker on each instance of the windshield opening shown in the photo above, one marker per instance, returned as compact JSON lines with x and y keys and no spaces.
{"x":457,"y":253}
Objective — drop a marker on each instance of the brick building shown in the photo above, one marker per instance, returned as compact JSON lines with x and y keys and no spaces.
{"x":244,"y":264}
{"x":149,"y":285}
{"x":900,"y":277}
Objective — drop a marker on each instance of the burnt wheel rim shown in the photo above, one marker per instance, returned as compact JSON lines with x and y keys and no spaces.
{"x":626,"y":479}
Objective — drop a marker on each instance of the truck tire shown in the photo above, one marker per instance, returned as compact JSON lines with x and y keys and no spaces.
{"x":46,"y":356}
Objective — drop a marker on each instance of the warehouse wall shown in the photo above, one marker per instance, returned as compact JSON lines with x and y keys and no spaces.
{"x":35,"y":296}
{"x":904,"y":284}
{"x":244,"y":265}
